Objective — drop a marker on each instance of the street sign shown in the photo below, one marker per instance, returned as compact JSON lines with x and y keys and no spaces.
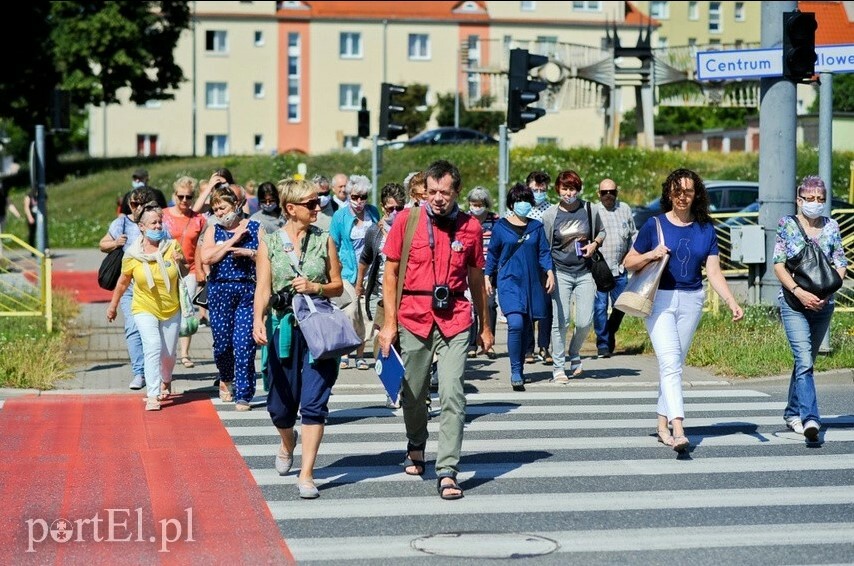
{"x":756,"y":63}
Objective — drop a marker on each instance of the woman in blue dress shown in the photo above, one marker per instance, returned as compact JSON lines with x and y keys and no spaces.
{"x":518,"y":257}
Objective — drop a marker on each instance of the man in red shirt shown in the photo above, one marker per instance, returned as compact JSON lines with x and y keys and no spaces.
{"x":445,"y":258}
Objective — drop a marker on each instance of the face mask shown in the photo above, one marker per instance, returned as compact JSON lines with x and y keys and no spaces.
{"x":390,"y":217}
{"x":324,"y":200}
{"x":228,"y":219}
{"x":422,"y":202}
{"x":540,"y":197}
{"x":137,"y":184}
{"x":357,"y":205}
{"x":569,"y":199}
{"x":477,"y":210}
{"x":270,"y":208}
{"x":521,"y":209}
{"x":812,"y":209}
{"x":155,"y":235}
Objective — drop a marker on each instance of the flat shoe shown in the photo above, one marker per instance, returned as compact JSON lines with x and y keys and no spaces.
{"x":187,"y":362}
{"x":680,"y":443}
{"x":285,"y":461}
{"x":242,"y":406}
{"x":665,"y":438}
{"x":225,"y":394}
{"x":491,"y":354}
{"x":560,"y":380}
{"x":307,"y":489}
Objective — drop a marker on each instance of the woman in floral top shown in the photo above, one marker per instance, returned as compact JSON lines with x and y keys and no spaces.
{"x":806,"y":323}
{"x":297,"y":258}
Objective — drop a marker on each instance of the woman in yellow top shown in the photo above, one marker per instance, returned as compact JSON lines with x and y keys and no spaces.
{"x":151,"y":262}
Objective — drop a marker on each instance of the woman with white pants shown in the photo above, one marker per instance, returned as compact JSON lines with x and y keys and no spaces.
{"x":690,"y":239}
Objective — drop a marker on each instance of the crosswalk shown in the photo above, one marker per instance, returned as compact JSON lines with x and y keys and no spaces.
{"x":568,"y":476}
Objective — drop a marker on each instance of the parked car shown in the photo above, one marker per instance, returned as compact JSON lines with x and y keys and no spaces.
{"x":753,"y":208}
{"x":446,"y":135}
{"x":724,"y":196}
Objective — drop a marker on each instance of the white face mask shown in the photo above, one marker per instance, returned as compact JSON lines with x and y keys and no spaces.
{"x":477,"y":210}
{"x":324,"y":200}
{"x":812,"y":209}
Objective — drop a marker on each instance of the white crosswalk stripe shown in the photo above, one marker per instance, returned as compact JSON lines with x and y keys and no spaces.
{"x":582,"y":467}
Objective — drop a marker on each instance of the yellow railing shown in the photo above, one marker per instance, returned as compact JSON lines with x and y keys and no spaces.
{"x":25,"y":280}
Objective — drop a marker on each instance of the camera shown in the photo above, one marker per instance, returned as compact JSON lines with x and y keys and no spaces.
{"x":441,"y":297}
{"x":281,"y":300}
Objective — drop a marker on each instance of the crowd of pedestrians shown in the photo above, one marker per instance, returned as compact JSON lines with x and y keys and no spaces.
{"x":430,"y":280}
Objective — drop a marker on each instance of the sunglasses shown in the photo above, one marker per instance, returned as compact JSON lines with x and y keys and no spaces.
{"x":183,"y":197}
{"x":821,"y":200}
{"x":391,"y":209}
{"x":133,"y":203}
{"x":309,"y":204}
{"x":358,"y":197}
{"x":680,"y":193}
{"x":608,"y":192}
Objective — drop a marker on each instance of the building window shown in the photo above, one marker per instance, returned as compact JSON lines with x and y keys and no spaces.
{"x":352,"y":143}
{"x":693,"y":11}
{"x":216,"y":41}
{"x":547,"y":45}
{"x":739,"y":11}
{"x":146,"y":145}
{"x":216,"y":95}
{"x":259,"y":38}
{"x":294,"y":59}
{"x":349,"y":97}
{"x":152,"y":104}
{"x":258,"y":90}
{"x":714,"y":17}
{"x":473,"y":62}
{"x":587,"y":6}
{"x":546,"y":141}
{"x":259,"y":142}
{"x":216,"y":146}
{"x":419,"y":46}
{"x":662,"y":43}
{"x":527,"y":6}
{"x":350,"y":45}
{"x":659,"y":10}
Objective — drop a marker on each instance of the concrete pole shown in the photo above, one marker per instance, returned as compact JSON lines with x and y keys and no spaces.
{"x":503,"y":168}
{"x":41,"y":191}
{"x":825,"y":161}
{"x":375,"y":167}
{"x":777,"y":151}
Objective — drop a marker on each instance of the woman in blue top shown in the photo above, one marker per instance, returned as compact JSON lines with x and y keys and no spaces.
{"x":230,"y":252}
{"x":518,"y":256}
{"x":807,"y":317}
{"x":689,"y":238}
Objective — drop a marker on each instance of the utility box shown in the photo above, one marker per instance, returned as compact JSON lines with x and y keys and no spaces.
{"x":748,"y":244}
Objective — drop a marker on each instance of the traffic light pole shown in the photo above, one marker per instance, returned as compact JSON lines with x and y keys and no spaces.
{"x":41,"y":191}
{"x":825,"y":163}
{"x":375,"y":167}
{"x":503,"y":168}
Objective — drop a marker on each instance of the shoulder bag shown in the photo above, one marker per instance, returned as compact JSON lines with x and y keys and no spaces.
{"x":598,"y":266}
{"x":111,"y":266}
{"x":811,"y":271}
{"x":639,"y":295}
{"x":189,"y":321}
{"x":326,"y":328}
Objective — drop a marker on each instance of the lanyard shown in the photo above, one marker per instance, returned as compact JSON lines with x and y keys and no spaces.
{"x":296,"y":262}
{"x":432,"y":241}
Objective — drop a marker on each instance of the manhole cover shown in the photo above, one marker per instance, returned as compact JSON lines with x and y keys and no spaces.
{"x":485,"y":545}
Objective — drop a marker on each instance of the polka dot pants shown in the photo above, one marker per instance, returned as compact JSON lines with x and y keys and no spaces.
{"x":230,"y":311}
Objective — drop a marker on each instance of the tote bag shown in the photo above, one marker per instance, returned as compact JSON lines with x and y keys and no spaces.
{"x":189,"y":321}
{"x":639,"y":295}
{"x":811,"y":271}
{"x":326,"y":328}
{"x":111,"y":266}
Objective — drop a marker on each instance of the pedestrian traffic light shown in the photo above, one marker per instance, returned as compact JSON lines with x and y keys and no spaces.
{"x":799,"y":54}
{"x":364,"y":120}
{"x":523,"y":91}
{"x":388,"y":108}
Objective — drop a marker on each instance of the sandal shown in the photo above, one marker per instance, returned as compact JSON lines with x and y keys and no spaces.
{"x":664,"y":437}
{"x":225,"y":394}
{"x":680,"y":443}
{"x":443,"y":488}
{"x":491,"y":354}
{"x":410,"y":462}
{"x":187,"y":362}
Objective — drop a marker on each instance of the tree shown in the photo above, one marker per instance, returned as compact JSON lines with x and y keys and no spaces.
{"x":675,"y":120}
{"x":480,"y":120}
{"x":91,"y":50}
{"x":416,"y":113}
{"x":843,"y":94}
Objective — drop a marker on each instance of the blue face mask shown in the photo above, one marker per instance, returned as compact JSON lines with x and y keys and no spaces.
{"x":540,"y":197}
{"x":155,"y":235}
{"x":522,"y":208}
{"x":137,"y":184}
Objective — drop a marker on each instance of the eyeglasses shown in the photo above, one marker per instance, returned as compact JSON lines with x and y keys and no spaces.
{"x":390,"y":209}
{"x":608,"y":192}
{"x":358,"y":197}
{"x":678,"y":193}
{"x":183,"y":197}
{"x":309,"y":204}
{"x":133,"y":204}
{"x":818,"y":199}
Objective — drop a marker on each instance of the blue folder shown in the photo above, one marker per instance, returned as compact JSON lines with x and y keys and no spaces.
{"x":390,"y":371}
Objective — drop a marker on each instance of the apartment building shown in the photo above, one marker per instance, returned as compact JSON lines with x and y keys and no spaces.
{"x":270,"y":77}
{"x":734,"y":24}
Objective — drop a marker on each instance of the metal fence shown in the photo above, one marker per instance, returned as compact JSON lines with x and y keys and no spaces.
{"x":25,"y":281}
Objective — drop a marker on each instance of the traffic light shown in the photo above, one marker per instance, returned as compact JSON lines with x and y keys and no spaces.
{"x":799,"y":54}
{"x":523,"y":91}
{"x":364,"y":120}
{"x":388,"y":108}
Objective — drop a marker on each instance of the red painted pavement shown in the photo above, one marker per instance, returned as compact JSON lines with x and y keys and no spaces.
{"x":83,"y":285}
{"x":178,"y":490}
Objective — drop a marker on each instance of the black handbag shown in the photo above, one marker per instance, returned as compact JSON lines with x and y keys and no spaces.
{"x":111,"y":269}
{"x":201,"y":298}
{"x":598,"y":266}
{"x":811,"y":271}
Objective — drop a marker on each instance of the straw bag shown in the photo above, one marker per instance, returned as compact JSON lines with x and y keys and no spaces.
{"x":638,"y":297}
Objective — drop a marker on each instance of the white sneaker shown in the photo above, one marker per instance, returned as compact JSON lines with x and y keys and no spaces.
{"x":811,"y":429}
{"x":559,"y":377}
{"x":137,"y":383}
{"x":152,"y":404}
{"x":795,"y":424}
